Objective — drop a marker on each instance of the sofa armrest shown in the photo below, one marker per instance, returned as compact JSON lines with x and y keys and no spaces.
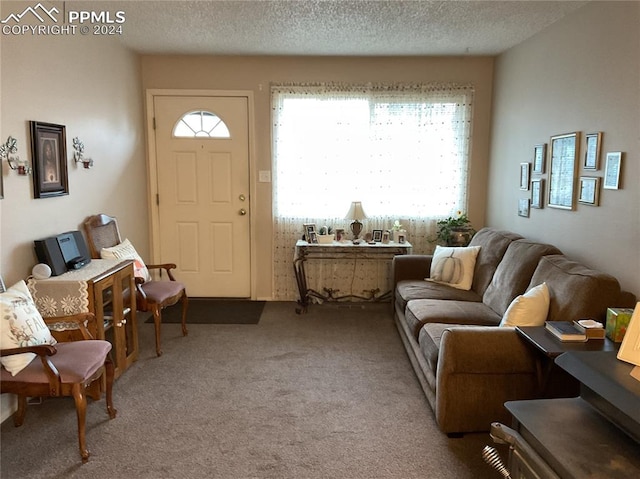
{"x":411,"y":266}
{"x":479,"y":369}
{"x":484,"y":349}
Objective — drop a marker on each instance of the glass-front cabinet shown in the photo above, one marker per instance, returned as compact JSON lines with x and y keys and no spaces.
{"x":112,"y":298}
{"x":103,"y":287}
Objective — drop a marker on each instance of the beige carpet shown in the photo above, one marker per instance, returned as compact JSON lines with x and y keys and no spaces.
{"x":329,"y":394}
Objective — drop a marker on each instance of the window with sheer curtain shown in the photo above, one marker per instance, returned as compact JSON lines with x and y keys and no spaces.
{"x":402,"y":150}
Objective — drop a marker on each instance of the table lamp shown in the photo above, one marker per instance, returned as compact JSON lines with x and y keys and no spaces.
{"x":356,"y":213}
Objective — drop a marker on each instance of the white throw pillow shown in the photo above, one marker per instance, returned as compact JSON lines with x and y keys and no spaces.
{"x":125,"y":250}
{"x":529,"y":309}
{"x":454,"y":266}
{"x":20,"y":325}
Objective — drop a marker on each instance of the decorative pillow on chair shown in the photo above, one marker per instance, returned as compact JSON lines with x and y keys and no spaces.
{"x":20,"y":325}
{"x":454,"y":266}
{"x":125,"y":250}
{"x":529,"y":309}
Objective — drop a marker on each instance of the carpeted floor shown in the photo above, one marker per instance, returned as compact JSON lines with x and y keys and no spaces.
{"x":215,"y":311}
{"x":327,"y":394}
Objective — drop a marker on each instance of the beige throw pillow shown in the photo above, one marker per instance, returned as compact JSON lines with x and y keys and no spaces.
{"x":529,"y":309}
{"x":125,"y":250}
{"x":454,"y":266}
{"x":20,"y":325}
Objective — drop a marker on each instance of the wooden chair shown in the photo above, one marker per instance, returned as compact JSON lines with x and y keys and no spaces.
{"x":152,"y":296}
{"x":66,"y":369}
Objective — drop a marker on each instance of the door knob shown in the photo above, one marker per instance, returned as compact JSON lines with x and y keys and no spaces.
{"x":242,"y":197}
{"x":243,"y":212}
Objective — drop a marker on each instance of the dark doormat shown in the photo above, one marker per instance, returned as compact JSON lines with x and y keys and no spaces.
{"x":214,"y":311}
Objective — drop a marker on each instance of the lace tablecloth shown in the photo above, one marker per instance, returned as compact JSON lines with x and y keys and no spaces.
{"x":67,"y":293}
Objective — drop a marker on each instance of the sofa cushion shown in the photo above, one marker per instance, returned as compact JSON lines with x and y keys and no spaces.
{"x":575,"y":291}
{"x":529,"y":309}
{"x":420,"y":289}
{"x":454,"y":266}
{"x":494,"y":243}
{"x":422,"y":311}
{"x":514,"y":272}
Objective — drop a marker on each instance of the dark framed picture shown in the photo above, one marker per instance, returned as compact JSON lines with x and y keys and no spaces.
{"x":537,"y":193}
{"x":589,"y":192}
{"x":539,"y":157}
{"x":525,"y":168}
{"x":592,"y":151}
{"x":49,"y":154}
{"x":562,"y":170}
{"x":377,"y":236}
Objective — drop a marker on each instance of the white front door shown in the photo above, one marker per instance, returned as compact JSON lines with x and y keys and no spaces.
{"x":203,"y":192}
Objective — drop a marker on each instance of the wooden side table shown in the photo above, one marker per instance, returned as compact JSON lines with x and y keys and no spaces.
{"x":548,"y":347}
{"x":105,"y":288}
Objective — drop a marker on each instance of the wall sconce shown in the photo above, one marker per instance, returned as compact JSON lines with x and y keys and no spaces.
{"x":78,"y":154}
{"x":8,"y":152}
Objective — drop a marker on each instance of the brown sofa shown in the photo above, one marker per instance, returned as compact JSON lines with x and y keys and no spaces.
{"x":467,"y":366}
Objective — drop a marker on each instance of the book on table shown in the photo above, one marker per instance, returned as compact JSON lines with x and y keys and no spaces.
{"x":565,"y":331}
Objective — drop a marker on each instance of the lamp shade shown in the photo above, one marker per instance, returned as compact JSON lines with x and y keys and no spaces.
{"x":356,"y":212}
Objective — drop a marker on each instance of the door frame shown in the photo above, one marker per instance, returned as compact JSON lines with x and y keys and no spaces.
{"x":152,"y":168}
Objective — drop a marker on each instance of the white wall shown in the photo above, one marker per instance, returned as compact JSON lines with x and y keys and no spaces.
{"x":581,"y":74}
{"x":92,"y":86}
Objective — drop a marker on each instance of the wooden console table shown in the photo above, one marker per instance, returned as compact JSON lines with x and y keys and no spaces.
{"x":342,"y":251}
{"x":105,"y":288}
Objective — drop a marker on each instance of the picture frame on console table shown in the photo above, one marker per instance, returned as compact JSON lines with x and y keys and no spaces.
{"x":310,"y":234}
{"x":563,"y":170}
{"x":49,"y":153}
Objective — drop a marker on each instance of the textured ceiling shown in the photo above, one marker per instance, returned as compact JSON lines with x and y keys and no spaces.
{"x":333,"y":27}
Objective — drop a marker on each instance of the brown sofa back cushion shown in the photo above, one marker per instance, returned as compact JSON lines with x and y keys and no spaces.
{"x":493,"y":244}
{"x":576,"y":291}
{"x":514,"y":272}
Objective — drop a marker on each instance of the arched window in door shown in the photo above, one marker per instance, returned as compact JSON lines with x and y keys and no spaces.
{"x":201,"y":124}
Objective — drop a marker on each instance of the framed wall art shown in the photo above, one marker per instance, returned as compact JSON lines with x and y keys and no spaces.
{"x":49,"y":153}
{"x":592,"y":151}
{"x":525,"y":168}
{"x":537,"y":193}
{"x":539,"y":156}
{"x":612,"y":165}
{"x":589,"y":190}
{"x":562,"y":170}
{"x":523,"y":207}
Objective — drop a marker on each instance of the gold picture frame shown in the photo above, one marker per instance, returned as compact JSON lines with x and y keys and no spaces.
{"x":593,"y":142}
{"x":589,"y":190}
{"x":563,"y":167}
{"x":539,"y":158}
{"x":537,"y":193}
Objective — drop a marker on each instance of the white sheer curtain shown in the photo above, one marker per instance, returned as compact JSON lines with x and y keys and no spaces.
{"x":400,"y":149}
